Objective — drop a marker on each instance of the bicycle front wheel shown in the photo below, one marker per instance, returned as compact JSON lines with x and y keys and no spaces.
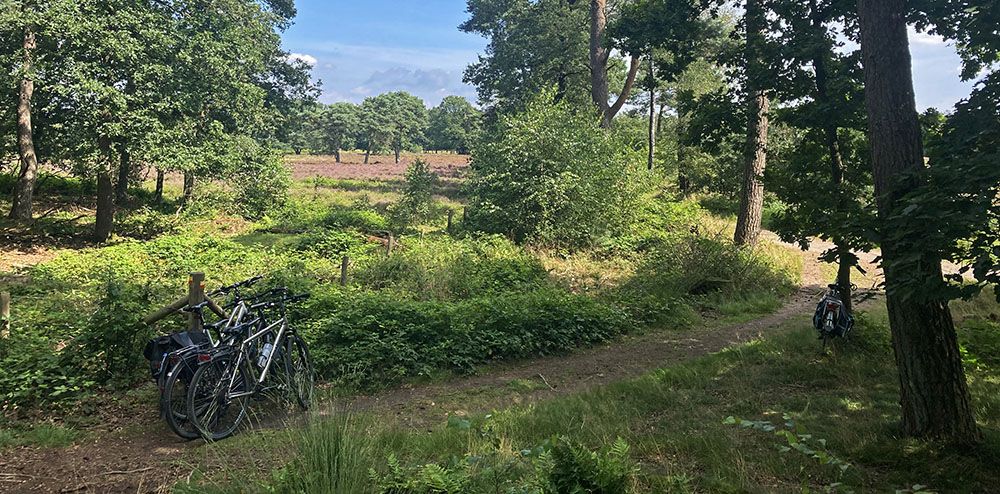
{"x":211,"y":407}
{"x":298,"y":365}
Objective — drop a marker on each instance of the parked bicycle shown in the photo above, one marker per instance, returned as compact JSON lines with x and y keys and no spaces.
{"x":183,"y":361}
{"x":252,"y":329}
{"x":262,"y":357}
{"x":832,"y":318}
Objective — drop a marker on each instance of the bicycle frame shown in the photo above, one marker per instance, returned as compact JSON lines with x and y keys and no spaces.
{"x":244,"y":347}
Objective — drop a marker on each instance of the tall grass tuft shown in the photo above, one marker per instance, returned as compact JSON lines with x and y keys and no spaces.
{"x":335,"y":456}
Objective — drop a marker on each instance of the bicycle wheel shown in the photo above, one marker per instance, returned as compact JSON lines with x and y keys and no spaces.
{"x":173,"y":399}
{"x":210,"y":409}
{"x":298,"y":365}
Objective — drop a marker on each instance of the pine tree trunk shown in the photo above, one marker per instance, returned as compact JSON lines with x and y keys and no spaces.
{"x":188,"y":192}
{"x":755,"y":160}
{"x":124,"y":170}
{"x":336,"y":153}
{"x":158,"y":194}
{"x":752,"y":194}
{"x":934,"y":396}
{"x":24,"y":189}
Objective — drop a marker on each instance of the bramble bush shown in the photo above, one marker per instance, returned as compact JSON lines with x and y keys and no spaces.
{"x":368,"y":339}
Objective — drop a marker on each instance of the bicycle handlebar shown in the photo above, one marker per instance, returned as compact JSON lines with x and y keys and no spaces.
{"x":241,"y":284}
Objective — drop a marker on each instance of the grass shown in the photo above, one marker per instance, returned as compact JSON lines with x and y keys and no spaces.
{"x":844,"y":402}
{"x":41,"y":435}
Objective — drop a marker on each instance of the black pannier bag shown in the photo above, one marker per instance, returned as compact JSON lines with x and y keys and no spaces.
{"x":158,"y":348}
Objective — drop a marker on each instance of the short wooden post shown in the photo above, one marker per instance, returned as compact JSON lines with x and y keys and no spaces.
{"x":343,"y":270}
{"x":4,"y":315}
{"x":451,"y":214}
{"x":390,"y":244}
{"x":196,"y":295}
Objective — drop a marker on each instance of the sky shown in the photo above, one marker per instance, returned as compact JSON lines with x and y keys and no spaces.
{"x":361,"y":48}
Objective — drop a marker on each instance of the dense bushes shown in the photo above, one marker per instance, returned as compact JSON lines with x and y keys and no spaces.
{"x":552,"y":176}
{"x":367,"y":339}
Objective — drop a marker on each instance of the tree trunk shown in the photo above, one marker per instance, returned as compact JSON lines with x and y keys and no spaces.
{"x":651,"y":158}
{"x":105,"y":194}
{"x":845,"y":259}
{"x":124,"y":170}
{"x":368,"y":152}
{"x":398,"y":149}
{"x":599,"y":55}
{"x":24,"y":189}
{"x":158,"y":194}
{"x":934,"y":396}
{"x":336,"y":153}
{"x":752,"y":194}
{"x":188,"y":187}
{"x":755,"y":159}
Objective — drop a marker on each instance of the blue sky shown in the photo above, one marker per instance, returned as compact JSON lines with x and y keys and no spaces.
{"x":362,"y":48}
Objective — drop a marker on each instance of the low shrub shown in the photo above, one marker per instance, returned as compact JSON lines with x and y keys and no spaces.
{"x":680,"y":271}
{"x":369,"y":339}
{"x":441,"y":268}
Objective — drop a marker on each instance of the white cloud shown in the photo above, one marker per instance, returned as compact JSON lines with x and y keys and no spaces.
{"x":304,"y":58}
{"x":927,"y":39}
{"x":430,"y":85}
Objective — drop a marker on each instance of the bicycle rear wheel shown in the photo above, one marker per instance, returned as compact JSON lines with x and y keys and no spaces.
{"x":173,"y":399}
{"x":210,"y":409}
{"x":298,"y":365}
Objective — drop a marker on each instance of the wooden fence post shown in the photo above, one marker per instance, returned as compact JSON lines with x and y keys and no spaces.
{"x":4,"y":315}
{"x":343,"y":270}
{"x":196,"y":295}
{"x":390,"y":244}
{"x":451,"y":214}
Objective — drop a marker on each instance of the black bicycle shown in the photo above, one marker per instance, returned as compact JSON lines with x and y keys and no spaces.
{"x":832,"y":318}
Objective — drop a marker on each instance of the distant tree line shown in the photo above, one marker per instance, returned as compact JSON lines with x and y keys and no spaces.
{"x":390,"y":122}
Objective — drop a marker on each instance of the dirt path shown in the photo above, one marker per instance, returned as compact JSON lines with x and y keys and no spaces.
{"x":138,"y":455}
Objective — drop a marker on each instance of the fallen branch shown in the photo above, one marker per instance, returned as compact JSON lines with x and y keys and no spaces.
{"x":546,"y":382}
{"x":123,"y":472}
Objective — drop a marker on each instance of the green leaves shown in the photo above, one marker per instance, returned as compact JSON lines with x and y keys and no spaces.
{"x":551,"y":176}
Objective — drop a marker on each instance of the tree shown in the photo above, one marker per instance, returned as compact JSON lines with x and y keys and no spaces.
{"x":406,"y":120}
{"x":24,"y":189}
{"x":600,"y":53}
{"x":338,"y":124}
{"x":453,"y":125}
{"x":826,"y":181}
{"x":934,"y":395}
{"x":376,"y":128}
{"x":300,"y":127}
{"x":394,"y":120}
{"x":758,"y":114}
{"x":671,"y":35}
{"x":533,"y":45}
